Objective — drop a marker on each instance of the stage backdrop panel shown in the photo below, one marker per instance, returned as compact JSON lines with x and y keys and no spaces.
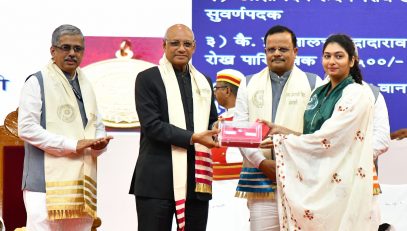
{"x":230,"y":34}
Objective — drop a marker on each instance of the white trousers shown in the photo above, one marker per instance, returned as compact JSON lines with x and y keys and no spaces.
{"x":227,"y":212}
{"x":37,"y":216}
{"x":263,"y":215}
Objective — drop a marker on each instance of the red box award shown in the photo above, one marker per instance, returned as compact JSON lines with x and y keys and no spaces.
{"x":241,"y":134}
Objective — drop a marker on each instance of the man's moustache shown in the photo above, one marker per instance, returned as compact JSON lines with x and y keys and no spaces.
{"x":71,"y":60}
{"x":278,"y":60}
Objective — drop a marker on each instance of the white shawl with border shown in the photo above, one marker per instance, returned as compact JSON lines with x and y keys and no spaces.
{"x":293,"y":101}
{"x":70,"y":180}
{"x":202,"y":95}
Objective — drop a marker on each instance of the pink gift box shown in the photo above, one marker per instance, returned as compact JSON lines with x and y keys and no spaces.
{"x":242,"y":134}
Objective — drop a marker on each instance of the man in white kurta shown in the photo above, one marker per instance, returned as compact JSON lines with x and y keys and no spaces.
{"x":59,"y":122}
{"x":280,"y":93}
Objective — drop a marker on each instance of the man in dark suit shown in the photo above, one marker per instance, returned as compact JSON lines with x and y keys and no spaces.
{"x":175,"y":106}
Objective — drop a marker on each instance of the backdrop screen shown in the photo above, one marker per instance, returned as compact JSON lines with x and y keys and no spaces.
{"x":230,"y":34}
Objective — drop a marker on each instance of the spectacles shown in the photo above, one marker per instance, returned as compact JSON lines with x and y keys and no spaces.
{"x":176,"y":43}
{"x":218,"y":87}
{"x":68,"y":48}
{"x":283,"y":50}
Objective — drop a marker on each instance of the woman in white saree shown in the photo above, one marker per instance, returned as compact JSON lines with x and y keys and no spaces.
{"x":324,"y":176}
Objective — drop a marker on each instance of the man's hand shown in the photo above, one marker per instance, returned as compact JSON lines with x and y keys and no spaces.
{"x":96,"y":144}
{"x":216,"y":124}
{"x":268,"y":167}
{"x":267,"y":143}
{"x":83,"y":144}
{"x":399,"y":134}
{"x":101,"y":143}
{"x":206,"y":138}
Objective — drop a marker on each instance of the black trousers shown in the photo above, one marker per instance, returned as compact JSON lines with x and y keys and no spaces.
{"x":157,"y":214}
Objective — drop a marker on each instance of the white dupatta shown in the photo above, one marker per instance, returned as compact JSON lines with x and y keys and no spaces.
{"x":324,"y":179}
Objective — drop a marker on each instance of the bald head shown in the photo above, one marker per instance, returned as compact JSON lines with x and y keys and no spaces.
{"x":179,"y":46}
{"x":178,"y":27}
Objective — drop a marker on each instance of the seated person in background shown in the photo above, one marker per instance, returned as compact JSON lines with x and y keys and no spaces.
{"x":399,"y":134}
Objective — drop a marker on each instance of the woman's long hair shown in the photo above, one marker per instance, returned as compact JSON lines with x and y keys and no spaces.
{"x":346,"y":43}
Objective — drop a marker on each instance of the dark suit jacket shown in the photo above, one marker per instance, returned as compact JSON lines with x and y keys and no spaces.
{"x":153,"y":173}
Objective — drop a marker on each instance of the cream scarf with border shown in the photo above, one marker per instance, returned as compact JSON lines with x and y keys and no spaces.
{"x":201,"y":91}
{"x":70,"y":180}
{"x":293,"y":102}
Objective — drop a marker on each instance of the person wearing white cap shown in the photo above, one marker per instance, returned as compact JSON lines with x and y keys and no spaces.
{"x":225,"y":90}
{"x":225,"y":211}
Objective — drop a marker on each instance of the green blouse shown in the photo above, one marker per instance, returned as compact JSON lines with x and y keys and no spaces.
{"x":320,"y":106}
